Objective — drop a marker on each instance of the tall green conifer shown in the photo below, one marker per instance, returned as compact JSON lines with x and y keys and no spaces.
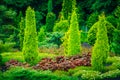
{"x":74,"y":35}
{"x":21,"y":33}
{"x":30,"y":43}
{"x":66,"y":8}
{"x":101,"y":46}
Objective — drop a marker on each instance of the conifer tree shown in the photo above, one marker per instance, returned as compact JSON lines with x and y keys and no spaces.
{"x":41,"y":35}
{"x":50,"y":18}
{"x":66,"y":8}
{"x":21,"y":33}
{"x":74,"y":35}
{"x":50,"y":6}
{"x":30,"y":43}
{"x":101,"y":46}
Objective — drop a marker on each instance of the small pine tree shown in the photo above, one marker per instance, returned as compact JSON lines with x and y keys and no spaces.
{"x":101,"y":46}
{"x":50,"y":20}
{"x":41,"y":35}
{"x":30,"y":43}
{"x":74,"y":35}
{"x":21,"y":33}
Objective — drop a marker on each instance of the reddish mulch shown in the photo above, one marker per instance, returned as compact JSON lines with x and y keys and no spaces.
{"x":60,"y":63}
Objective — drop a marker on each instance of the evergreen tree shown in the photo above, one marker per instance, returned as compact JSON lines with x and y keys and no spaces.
{"x":74,"y":35}
{"x":101,"y":46}
{"x":50,"y":6}
{"x":50,"y":20}
{"x":30,"y":43}
{"x":41,"y":35}
{"x":21,"y":33}
{"x":66,"y":8}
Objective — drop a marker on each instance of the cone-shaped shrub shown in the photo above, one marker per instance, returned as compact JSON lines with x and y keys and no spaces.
{"x":101,"y":46}
{"x":30,"y":43}
{"x":74,"y":35}
{"x":21,"y":33}
{"x":66,"y":8}
{"x":50,"y":20}
{"x":41,"y":35}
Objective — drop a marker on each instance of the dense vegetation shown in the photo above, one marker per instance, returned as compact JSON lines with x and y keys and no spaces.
{"x":42,"y":39}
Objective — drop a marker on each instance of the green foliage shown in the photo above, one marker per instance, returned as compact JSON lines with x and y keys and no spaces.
{"x":21,"y":33}
{"x":12,"y":55}
{"x":30,"y":43}
{"x":66,"y":9}
{"x":115,"y":45}
{"x":83,"y":36}
{"x":19,"y":73}
{"x":74,"y":36}
{"x":64,"y":39}
{"x":7,"y":46}
{"x":101,"y":47}
{"x":45,"y":55}
{"x":92,"y":19}
{"x":41,"y":35}
{"x":111,"y":75}
{"x":52,"y":40}
{"x":93,"y":30}
{"x":50,"y":6}
{"x":61,"y":26}
{"x":50,"y":20}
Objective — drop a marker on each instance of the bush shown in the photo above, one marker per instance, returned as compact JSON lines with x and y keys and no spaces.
{"x":115,"y":45}
{"x":111,"y":75}
{"x":91,"y":75}
{"x":61,"y":26}
{"x":52,"y":40}
{"x":6,"y":47}
{"x":19,"y":73}
{"x":10,"y":55}
{"x":30,"y":43}
{"x":101,"y":46}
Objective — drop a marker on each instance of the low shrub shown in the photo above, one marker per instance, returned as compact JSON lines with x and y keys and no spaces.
{"x":6,"y":47}
{"x":116,"y":64}
{"x":111,"y":75}
{"x":19,"y":73}
{"x":12,"y":55}
{"x":113,"y":59}
{"x":91,"y":75}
